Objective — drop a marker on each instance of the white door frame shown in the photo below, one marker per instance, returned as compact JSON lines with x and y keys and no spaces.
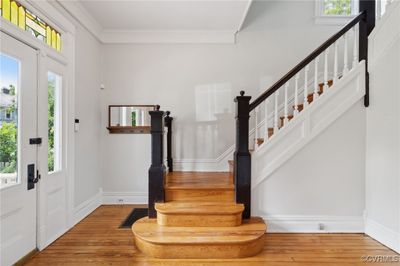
{"x":66,"y":57}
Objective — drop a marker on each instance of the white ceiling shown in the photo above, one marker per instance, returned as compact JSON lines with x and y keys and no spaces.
{"x":166,"y":15}
{"x":174,"y":21}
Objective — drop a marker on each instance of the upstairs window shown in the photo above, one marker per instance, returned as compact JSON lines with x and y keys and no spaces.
{"x":336,"y":12}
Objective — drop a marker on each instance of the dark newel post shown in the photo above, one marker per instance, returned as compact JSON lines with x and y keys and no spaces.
{"x":168,"y":124}
{"x":242,"y":154}
{"x":367,"y":24}
{"x":157,"y":168}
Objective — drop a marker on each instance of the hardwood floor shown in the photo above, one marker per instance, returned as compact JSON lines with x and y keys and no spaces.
{"x":98,"y":241}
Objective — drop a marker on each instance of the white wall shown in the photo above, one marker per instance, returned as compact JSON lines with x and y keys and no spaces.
{"x":188,"y":79}
{"x":383,"y":134}
{"x":322,"y":183}
{"x":88,"y":68}
{"x":87,"y":110}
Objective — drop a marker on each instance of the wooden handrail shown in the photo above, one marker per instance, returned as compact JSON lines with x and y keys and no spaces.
{"x":307,"y":60}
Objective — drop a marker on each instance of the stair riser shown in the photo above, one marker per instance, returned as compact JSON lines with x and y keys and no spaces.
{"x":201,"y":250}
{"x":199,"y":195}
{"x":189,"y":220}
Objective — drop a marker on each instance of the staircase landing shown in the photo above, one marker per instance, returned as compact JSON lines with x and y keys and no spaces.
{"x":199,"y":220}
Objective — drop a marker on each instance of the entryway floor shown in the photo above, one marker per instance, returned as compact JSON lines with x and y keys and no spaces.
{"x":97,"y":240}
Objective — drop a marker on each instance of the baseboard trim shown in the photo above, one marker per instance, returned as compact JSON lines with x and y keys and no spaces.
{"x":111,"y":198}
{"x":311,"y":224}
{"x":87,"y":207}
{"x":382,"y":234}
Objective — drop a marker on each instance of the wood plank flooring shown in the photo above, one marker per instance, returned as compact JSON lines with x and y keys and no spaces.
{"x":98,"y":241}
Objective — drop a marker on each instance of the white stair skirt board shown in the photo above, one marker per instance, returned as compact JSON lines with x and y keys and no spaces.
{"x":308,"y":124}
{"x":383,"y":234}
{"x":110,"y":198}
{"x":314,"y":224}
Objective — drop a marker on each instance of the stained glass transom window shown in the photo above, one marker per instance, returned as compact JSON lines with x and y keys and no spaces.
{"x":26,"y":20}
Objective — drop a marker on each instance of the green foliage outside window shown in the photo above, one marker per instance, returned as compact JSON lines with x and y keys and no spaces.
{"x":337,"y":7}
{"x":8,"y":144}
{"x":50,"y":106}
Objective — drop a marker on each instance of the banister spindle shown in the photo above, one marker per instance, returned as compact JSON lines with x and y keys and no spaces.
{"x":345,"y":59}
{"x":266,"y":137}
{"x":335,"y":63}
{"x":355,"y":46}
{"x":316,"y":87}
{"x":256,"y":133}
{"x":296,"y":94}
{"x":285,"y":118}
{"x":326,"y":70}
{"x":276,"y":127}
{"x":305,"y":87}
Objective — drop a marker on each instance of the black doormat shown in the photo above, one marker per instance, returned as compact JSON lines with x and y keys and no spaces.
{"x":135,"y":215}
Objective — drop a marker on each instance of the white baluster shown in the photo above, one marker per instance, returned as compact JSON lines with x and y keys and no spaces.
{"x":305,"y":87}
{"x":276,"y":127}
{"x":326,"y":70}
{"x":316,"y":86}
{"x":345,"y":64}
{"x":296,"y":94}
{"x":355,"y":46}
{"x":335,"y":64}
{"x":256,"y":126}
{"x":266,"y":120}
{"x":285,"y":118}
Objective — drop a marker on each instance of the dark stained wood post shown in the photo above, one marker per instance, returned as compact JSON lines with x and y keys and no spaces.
{"x":242,"y":157}
{"x":367,"y":24}
{"x":157,"y":169}
{"x":168,"y":125}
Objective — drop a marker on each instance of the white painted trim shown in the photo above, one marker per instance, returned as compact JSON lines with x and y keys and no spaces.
{"x":382,"y":234}
{"x":87,"y":207}
{"x":78,"y":12}
{"x":110,"y":198}
{"x":117,"y":36}
{"x":245,"y":13}
{"x":311,"y":223}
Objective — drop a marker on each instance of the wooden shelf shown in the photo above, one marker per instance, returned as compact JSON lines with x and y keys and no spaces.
{"x":129,"y":129}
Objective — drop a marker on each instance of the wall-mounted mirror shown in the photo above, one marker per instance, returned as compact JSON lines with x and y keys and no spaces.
{"x":129,"y":118}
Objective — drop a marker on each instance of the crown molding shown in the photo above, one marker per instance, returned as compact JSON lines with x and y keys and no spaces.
{"x":78,"y":12}
{"x":142,"y":37}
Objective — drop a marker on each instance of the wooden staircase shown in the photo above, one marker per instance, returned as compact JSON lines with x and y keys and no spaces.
{"x":199,"y":220}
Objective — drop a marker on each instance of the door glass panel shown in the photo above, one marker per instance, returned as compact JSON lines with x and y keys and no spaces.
{"x":54,"y":121}
{"x":9,"y":85}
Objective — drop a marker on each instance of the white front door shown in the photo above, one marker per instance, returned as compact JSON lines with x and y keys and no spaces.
{"x":18,"y":158}
{"x":53,"y":152}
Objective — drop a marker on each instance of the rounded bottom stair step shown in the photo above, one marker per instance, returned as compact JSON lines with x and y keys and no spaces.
{"x":199,"y":242}
{"x":216,"y":214}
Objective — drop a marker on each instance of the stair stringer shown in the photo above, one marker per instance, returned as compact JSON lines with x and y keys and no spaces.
{"x":308,"y":124}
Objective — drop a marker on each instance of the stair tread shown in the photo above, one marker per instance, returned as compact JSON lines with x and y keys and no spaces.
{"x":199,"y":180}
{"x":176,"y":207}
{"x":148,"y":230}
